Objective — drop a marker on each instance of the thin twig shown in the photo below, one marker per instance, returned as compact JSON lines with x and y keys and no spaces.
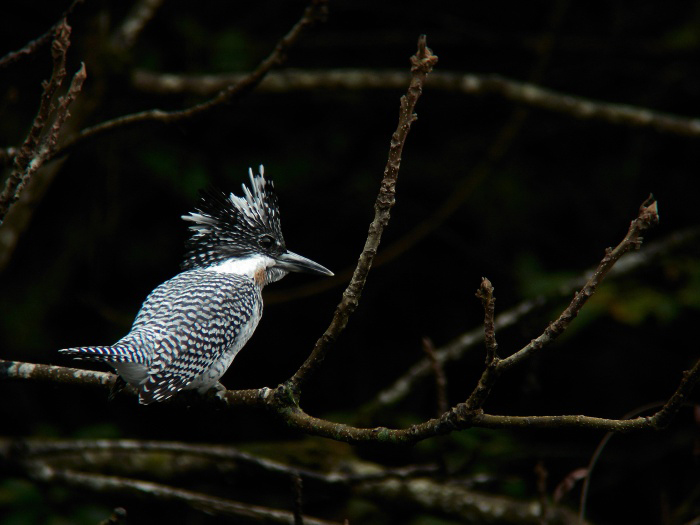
{"x":648,"y":217}
{"x":485,"y":293}
{"x":439,"y":374}
{"x":422,"y":64}
{"x":488,"y":379}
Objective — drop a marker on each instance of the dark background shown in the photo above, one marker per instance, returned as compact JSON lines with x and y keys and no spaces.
{"x":542,"y":206}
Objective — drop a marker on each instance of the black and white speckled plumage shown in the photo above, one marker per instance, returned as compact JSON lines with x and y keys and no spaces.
{"x":190,"y":328}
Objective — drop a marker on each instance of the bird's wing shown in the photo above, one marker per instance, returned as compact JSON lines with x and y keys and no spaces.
{"x":200,"y":315}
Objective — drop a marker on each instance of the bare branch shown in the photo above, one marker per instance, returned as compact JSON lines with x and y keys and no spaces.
{"x":44,"y":449}
{"x":466,"y":414}
{"x":648,"y":216}
{"x":467,"y":83}
{"x":362,"y":478}
{"x":422,"y":64}
{"x":38,"y":43}
{"x":231,"y":93}
{"x":453,"y":351}
{"x":458,"y":348}
{"x":41,"y":471}
{"x":493,"y":369}
{"x":42,"y":140}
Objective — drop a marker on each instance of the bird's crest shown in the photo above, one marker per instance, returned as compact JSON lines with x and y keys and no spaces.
{"x":230,"y":226}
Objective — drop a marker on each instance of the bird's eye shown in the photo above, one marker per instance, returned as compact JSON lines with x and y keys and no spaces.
{"x":267,"y":242}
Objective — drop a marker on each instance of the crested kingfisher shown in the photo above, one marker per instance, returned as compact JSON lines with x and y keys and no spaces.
{"x":190,"y":328}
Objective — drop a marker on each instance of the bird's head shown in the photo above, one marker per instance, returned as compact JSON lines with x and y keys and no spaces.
{"x":242,"y":235}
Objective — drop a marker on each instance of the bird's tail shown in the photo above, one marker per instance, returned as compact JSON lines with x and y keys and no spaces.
{"x":109,"y":354}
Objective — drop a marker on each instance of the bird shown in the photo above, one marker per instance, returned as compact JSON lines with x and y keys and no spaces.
{"x":190,"y":328}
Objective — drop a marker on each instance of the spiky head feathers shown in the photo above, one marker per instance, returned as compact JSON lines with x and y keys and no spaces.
{"x":224,"y":227}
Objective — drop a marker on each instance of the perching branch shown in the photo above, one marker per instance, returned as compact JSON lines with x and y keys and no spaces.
{"x":457,"y":418}
{"x":462,"y":416}
{"x":422,"y":64}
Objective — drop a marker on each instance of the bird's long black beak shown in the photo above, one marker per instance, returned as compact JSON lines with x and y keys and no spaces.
{"x":293,"y":262}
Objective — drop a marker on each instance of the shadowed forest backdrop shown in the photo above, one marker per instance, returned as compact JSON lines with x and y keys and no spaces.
{"x":489,"y":186}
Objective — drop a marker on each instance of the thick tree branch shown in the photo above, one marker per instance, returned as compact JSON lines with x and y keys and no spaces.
{"x":42,"y":471}
{"x":83,"y":455}
{"x":422,"y":64}
{"x":467,"y":83}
